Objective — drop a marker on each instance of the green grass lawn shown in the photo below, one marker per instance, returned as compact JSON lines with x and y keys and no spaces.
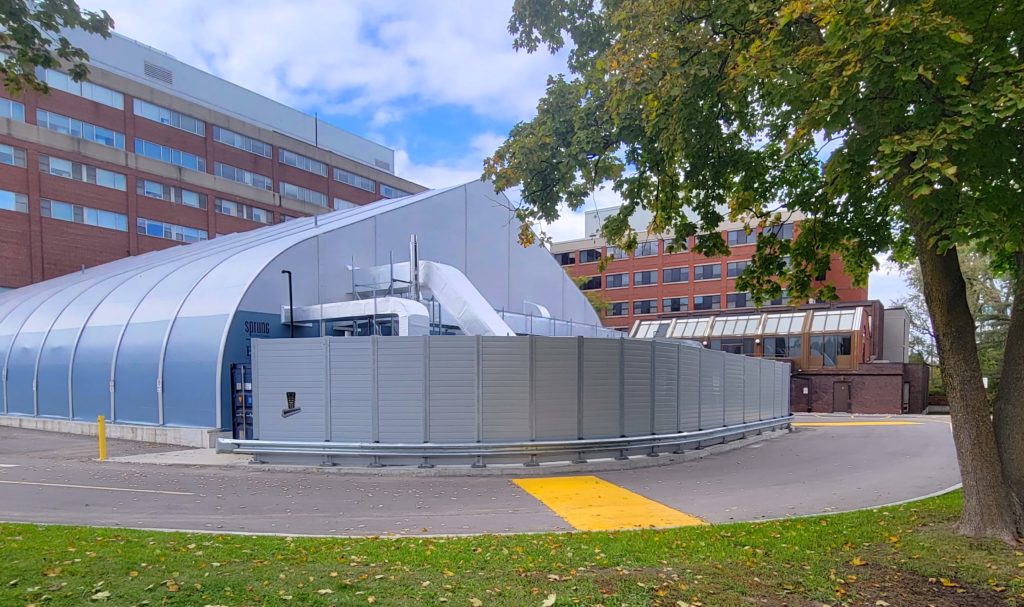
{"x":899,"y":556}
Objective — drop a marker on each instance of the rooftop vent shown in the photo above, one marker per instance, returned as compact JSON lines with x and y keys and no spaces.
{"x":381,"y":164}
{"x":157,"y":72}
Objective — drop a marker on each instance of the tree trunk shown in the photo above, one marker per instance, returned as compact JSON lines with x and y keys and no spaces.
{"x":988,"y":508}
{"x":1009,"y":405}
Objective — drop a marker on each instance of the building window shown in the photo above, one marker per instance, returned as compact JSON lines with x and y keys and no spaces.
{"x":647,"y":277}
{"x":244,"y":211}
{"x":12,"y":155}
{"x":248,"y":178}
{"x":615,"y":281}
{"x":82,"y":172}
{"x":76,"y":128}
{"x":302,"y":162}
{"x":740,"y":237}
{"x":170,"y":193}
{"x":707,"y":302}
{"x":834,"y":320}
{"x":590,"y":255}
{"x":776,"y":346}
{"x":711,"y":271}
{"x":830,"y":347}
{"x":237,"y":140}
{"x":675,"y":304}
{"x":618,"y":308}
{"x":170,"y":155}
{"x":357,"y":181}
{"x":734,"y":268}
{"x":646,"y":249}
{"x":88,"y":90}
{"x":12,"y":109}
{"x":645,"y":306}
{"x":737,"y":300}
{"x":169,"y":117}
{"x":782,"y":232}
{"x":340,"y":203}
{"x":391,"y":192}
{"x":591,"y":283}
{"x":733,"y":345}
{"x":169,"y":231}
{"x":12,"y":201}
{"x":76,"y":213}
{"x":675,"y":274}
{"x":781,"y":300}
{"x":566,"y":259}
{"x":283,"y":218}
{"x":289,"y":190}
{"x":615,"y":253}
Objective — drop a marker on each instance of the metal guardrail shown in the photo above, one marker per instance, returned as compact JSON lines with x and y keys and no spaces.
{"x":478,"y":451}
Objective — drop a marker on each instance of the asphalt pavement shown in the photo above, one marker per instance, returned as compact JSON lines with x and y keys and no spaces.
{"x":53,"y":478}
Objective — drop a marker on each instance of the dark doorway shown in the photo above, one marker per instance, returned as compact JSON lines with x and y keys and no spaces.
{"x":841,"y":402}
{"x":800,"y":394}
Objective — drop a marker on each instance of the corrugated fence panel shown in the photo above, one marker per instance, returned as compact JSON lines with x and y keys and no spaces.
{"x":780,"y":383}
{"x":351,"y":389}
{"x":767,"y":382}
{"x":295,"y":365}
{"x":637,"y":367}
{"x":787,"y":386}
{"x":666,"y":380}
{"x":505,"y":388}
{"x":751,"y":390}
{"x":712,"y":389}
{"x":555,"y":387}
{"x":601,"y":385}
{"x":452,"y":388}
{"x":400,"y":389}
{"x":734,"y":387}
{"x":689,"y":388}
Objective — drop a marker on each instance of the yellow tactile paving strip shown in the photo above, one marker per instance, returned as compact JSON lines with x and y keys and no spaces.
{"x":589,"y":503}
{"x":825,"y":424}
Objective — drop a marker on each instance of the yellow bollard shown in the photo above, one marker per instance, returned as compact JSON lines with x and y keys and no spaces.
{"x":101,"y":432}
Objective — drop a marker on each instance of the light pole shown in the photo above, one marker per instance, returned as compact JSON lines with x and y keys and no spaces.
{"x":291,"y":305}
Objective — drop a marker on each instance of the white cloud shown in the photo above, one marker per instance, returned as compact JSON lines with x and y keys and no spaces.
{"x":887,"y":284}
{"x":358,"y":55}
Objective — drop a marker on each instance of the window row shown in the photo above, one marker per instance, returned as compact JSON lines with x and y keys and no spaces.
{"x":261,"y":182}
{"x":289,"y":190}
{"x":88,"y":90}
{"x":244,"y":211}
{"x":158,"y":113}
{"x":82,"y":172}
{"x":76,"y":213}
{"x":170,"y":193}
{"x":682,"y":304}
{"x":168,"y":231}
{"x":77,"y":128}
{"x":649,"y":248}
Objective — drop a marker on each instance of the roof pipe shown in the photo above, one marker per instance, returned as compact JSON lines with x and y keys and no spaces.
{"x":414,"y":267}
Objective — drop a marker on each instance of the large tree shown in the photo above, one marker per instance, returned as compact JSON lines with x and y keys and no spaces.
{"x":32,"y":35}
{"x":891,"y":125}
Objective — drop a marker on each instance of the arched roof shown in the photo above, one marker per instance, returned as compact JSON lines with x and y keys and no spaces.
{"x":66,"y":344}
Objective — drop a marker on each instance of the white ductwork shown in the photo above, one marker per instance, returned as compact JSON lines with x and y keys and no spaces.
{"x":457,"y":295}
{"x":413,"y":318}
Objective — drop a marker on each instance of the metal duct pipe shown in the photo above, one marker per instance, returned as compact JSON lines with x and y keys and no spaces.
{"x":414,"y":267}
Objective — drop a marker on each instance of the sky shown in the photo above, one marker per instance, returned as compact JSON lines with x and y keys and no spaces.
{"x":436,"y":80}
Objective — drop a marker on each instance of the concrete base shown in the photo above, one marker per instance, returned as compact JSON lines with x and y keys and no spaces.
{"x":164,"y":435}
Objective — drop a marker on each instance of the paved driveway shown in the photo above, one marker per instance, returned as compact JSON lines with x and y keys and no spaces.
{"x":831,"y":465}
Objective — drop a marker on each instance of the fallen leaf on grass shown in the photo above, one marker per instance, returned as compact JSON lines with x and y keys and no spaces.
{"x":548,"y":602}
{"x":858,"y":562}
{"x":948,"y":583}
{"x":101,"y":596}
{"x":476,"y":602}
{"x":324,"y":591}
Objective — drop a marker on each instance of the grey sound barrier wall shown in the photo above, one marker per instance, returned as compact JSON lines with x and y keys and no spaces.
{"x":463,"y":389}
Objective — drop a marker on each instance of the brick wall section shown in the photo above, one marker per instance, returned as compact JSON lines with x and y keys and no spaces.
{"x":873,"y":388}
{"x":33,"y":248}
{"x":836,"y":276}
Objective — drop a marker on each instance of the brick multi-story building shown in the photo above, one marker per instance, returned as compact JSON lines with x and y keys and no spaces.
{"x":151,"y":152}
{"x":653,"y":281}
{"x":846,"y":356}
